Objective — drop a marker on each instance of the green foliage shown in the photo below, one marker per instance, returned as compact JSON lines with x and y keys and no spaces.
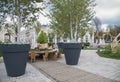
{"x":117,"y":50}
{"x":90,"y":29}
{"x":42,"y":38}
{"x":107,"y":52}
{"x":112,"y":31}
{"x":117,"y":29}
{"x":110,"y":55}
{"x":69,"y":16}
{"x":22,"y":10}
{"x":60,"y":51}
{"x":85,"y":44}
{"x":107,"y":49}
{"x":82,"y":32}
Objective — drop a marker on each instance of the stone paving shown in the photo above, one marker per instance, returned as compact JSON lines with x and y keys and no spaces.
{"x":91,"y":62}
{"x":65,"y":73}
{"x":91,"y":68}
{"x":31,"y":75}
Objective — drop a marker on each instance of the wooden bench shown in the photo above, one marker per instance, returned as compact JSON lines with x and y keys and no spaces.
{"x":44,"y":53}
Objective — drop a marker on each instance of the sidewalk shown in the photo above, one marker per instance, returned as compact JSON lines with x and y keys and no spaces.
{"x":89,"y":61}
{"x":65,"y":73}
{"x":91,"y":68}
{"x":31,"y":75}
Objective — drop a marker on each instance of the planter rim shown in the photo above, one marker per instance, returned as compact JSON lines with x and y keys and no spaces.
{"x":72,"y":45}
{"x":69,"y":42}
{"x":14,"y":47}
{"x":13,"y":44}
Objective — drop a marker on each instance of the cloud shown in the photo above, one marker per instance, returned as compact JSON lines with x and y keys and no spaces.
{"x":108,"y":11}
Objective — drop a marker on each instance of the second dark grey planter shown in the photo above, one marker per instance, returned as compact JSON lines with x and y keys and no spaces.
{"x":15,"y":58}
{"x":72,"y":53}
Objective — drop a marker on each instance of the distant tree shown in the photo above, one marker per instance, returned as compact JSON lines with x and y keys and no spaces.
{"x":117,"y":29}
{"x":112,"y":31}
{"x":98,"y":24}
{"x":101,"y":35}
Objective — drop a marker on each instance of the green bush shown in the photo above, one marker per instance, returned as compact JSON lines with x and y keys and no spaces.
{"x":107,"y":52}
{"x":117,"y":50}
{"x":107,"y":49}
{"x":85,"y":44}
{"x":42,"y":38}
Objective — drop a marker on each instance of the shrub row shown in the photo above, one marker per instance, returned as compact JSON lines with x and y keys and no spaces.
{"x":109,"y":53}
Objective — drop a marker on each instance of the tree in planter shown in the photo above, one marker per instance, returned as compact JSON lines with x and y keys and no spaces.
{"x":9,"y":32}
{"x":69,"y":16}
{"x":22,"y":14}
{"x":42,"y":39}
{"x":82,"y":32}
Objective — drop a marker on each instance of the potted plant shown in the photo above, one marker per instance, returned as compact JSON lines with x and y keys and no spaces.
{"x":15,"y":54}
{"x":42,"y":40}
{"x":68,"y":19}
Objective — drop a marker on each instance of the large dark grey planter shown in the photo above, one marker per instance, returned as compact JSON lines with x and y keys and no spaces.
{"x":15,"y":58}
{"x":72,"y":53}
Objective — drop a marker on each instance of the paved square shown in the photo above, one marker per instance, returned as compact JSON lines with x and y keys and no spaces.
{"x":91,"y":62}
{"x":31,"y":75}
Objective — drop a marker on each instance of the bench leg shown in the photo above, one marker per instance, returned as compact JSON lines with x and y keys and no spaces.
{"x":45,"y":57}
{"x":55,"y":56}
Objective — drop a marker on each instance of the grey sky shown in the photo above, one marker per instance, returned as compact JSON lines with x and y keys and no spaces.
{"x":108,"y":11}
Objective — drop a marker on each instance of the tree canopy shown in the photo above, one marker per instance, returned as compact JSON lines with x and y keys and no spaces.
{"x":22,"y":13}
{"x":26,"y":9}
{"x":70,"y":16}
